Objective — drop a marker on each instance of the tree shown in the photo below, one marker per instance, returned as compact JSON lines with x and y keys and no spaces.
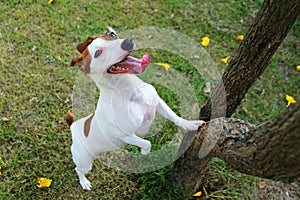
{"x":270,"y":149}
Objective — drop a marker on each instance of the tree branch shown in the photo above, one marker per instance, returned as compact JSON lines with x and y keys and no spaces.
{"x":271,"y":150}
{"x":248,"y":148}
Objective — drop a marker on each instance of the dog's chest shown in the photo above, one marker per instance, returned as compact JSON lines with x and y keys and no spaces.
{"x":142,"y":106}
{"x":137,"y":108}
{"x":126,"y":109}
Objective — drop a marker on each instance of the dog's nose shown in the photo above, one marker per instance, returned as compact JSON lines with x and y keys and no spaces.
{"x":127,"y":44}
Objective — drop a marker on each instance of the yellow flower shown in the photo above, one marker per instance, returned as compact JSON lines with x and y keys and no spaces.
{"x":198,"y":194}
{"x":205,"y":41}
{"x":44,"y":182}
{"x":165,"y":65}
{"x":50,"y":1}
{"x":298,"y":68}
{"x":290,"y":100}
{"x":225,"y":60}
{"x":239,"y":37}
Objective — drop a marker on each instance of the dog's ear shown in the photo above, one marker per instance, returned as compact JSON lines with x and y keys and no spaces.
{"x":82,"y":46}
{"x":84,"y":61}
{"x":75,"y":60}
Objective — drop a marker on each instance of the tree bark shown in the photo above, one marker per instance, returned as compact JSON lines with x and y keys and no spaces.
{"x":269,"y":150}
{"x":265,"y":34}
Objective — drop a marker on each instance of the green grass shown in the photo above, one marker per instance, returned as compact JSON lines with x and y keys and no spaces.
{"x":36,"y":88}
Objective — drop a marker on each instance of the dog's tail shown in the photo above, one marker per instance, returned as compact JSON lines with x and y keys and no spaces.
{"x":70,"y":118}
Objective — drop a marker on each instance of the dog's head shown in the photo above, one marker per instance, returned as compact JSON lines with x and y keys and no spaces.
{"x":107,"y":53}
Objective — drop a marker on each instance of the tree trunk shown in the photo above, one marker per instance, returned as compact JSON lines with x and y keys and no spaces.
{"x":265,"y":34}
{"x":269,"y":150}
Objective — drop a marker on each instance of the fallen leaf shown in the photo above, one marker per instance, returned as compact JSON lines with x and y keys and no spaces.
{"x":165,"y":65}
{"x":23,"y":181}
{"x":207,"y":87}
{"x":290,"y":100}
{"x":263,"y":92}
{"x":50,"y":1}
{"x":59,"y":128}
{"x":262,"y":184}
{"x":198,"y":194}
{"x":5,"y":119}
{"x":239,"y":37}
{"x":205,"y":41}
{"x":225,"y":60}
{"x":44,"y":182}
{"x":245,"y":109}
{"x":34,"y":48}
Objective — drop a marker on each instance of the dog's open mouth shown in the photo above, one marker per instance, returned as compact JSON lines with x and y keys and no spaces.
{"x":130,"y":65}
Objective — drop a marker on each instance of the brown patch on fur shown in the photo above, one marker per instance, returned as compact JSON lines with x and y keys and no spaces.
{"x":82,"y":46}
{"x":84,"y":61}
{"x":70,"y":118}
{"x":87,"y":125}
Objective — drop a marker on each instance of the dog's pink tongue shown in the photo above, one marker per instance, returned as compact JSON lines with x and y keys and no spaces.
{"x":136,"y":65}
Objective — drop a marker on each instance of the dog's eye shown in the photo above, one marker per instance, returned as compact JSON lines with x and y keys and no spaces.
{"x":97,"y":53}
{"x":112,"y":35}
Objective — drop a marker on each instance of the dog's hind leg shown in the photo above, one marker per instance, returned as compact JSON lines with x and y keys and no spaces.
{"x":84,"y":182}
{"x":83,"y":161}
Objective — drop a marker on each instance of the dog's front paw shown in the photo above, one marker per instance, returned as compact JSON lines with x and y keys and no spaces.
{"x":192,"y":125}
{"x":145,"y":151}
{"x":146,"y":148}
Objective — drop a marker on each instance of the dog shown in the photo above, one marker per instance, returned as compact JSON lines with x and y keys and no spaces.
{"x":126,"y":107}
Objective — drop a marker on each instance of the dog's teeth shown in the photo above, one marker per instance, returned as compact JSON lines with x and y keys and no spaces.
{"x":118,"y":68}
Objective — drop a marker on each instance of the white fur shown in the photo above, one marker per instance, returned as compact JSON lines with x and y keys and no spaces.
{"x":110,"y":29}
{"x":125,"y":111}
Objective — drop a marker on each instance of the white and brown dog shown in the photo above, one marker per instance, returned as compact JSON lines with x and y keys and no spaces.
{"x":126,"y":107}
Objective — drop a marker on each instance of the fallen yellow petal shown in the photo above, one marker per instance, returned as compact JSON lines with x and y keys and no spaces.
{"x":44,"y":182}
{"x":262,"y":184}
{"x":239,"y":37}
{"x":165,"y":65}
{"x":198,"y":194}
{"x":298,"y":68}
{"x":290,"y":100}
{"x":50,"y":1}
{"x":205,"y":41}
{"x":225,"y":60}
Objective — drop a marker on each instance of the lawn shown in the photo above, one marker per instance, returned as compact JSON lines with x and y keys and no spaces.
{"x":38,"y":42}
